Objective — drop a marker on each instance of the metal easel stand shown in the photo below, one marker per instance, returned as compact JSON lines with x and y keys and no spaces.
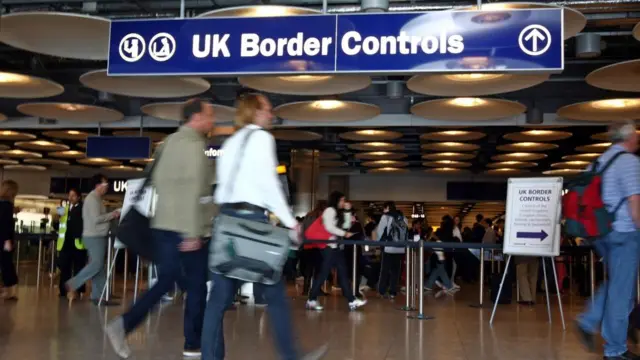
{"x":409,"y":286}
{"x":546,"y":288}
{"x":420,"y":315}
{"x":111,"y":262}
{"x":480,"y":305}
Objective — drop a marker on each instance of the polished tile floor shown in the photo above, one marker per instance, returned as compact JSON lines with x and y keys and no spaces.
{"x":42,"y":326}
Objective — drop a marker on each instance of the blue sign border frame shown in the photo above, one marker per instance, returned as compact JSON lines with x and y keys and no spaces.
{"x":358,"y":72}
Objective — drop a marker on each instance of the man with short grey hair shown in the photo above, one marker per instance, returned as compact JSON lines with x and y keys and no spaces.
{"x":610,"y":309}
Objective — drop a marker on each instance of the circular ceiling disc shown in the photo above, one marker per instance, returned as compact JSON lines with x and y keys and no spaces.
{"x":447,"y":164}
{"x":18,"y":86}
{"x":512,"y":165}
{"x":450,"y":146}
{"x":605,"y":136}
{"x":98,"y":162}
{"x":602,"y":110}
{"x":41,"y":145}
{"x":376,"y":146}
{"x":8,"y":162}
{"x":574,"y":21}
{"x":519,"y":156}
{"x":327,"y":111}
{"x":594,"y":148}
{"x":380,"y":155}
{"x":624,"y":76}
{"x":563,"y":172}
{"x":388,"y":170}
{"x":309,"y":85}
{"x":472,"y":84}
{"x":527,"y":146}
{"x":582,"y":157}
{"x":295,"y":135}
{"x":467,"y":109}
{"x":123,"y":168}
{"x":506,"y":172}
{"x":64,"y":35}
{"x":448,"y":156}
{"x":11,"y":135}
{"x":259,"y":11}
{"x":575,"y":164}
{"x":446,"y":170}
{"x":173,"y":111}
{"x":453,"y":135}
{"x":69,"y":154}
{"x":538,"y":135}
{"x":153,"y":135}
{"x":50,"y":162}
{"x":20,"y":154}
{"x":25,"y":167}
{"x":71,"y":112}
{"x":385,"y":163}
{"x":371,"y":135}
{"x":67,"y":134}
{"x":145,"y":86}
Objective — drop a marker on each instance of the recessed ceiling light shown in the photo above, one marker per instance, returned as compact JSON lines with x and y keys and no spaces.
{"x":615,"y":103}
{"x":10,"y":78}
{"x":473,"y":77}
{"x":305,"y":78}
{"x":327,"y":104}
{"x":72,"y":107}
{"x":467,"y":101}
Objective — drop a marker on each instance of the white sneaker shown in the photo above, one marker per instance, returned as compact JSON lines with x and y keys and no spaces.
{"x":118,"y":338}
{"x":314,"y":305}
{"x":363,"y":289}
{"x":317,"y":354}
{"x":356,"y":304}
{"x":439,"y":284}
{"x":455,"y":287}
{"x":192,"y":353}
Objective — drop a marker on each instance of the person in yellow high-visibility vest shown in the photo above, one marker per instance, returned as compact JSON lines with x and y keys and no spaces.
{"x":72,"y":255}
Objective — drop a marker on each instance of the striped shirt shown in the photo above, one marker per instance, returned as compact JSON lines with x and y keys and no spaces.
{"x":620,"y":181}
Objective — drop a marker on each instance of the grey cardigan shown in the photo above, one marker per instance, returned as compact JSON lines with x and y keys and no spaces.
{"x":95,"y":218}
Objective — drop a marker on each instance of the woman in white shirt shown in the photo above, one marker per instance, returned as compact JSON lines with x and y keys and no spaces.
{"x":248,"y":187}
{"x":332,"y":256}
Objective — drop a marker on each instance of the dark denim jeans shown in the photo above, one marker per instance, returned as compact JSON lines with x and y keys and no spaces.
{"x":614,"y":300}
{"x":220,"y":299}
{"x":188,"y":268}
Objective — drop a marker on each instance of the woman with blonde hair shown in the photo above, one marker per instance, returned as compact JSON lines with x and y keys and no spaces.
{"x":8,"y":193}
{"x":248,"y":187}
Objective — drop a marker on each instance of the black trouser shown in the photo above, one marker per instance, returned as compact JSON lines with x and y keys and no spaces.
{"x":390,"y":273}
{"x":70,"y":261}
{"x":332,"y":258}
{"x":8,"y":268}
{"x":312,"y":260}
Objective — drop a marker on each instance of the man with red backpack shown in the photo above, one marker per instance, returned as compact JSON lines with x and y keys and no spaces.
{"x":617,"y":174}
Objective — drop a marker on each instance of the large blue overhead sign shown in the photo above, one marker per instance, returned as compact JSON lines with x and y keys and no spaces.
{"x":444,"y":41}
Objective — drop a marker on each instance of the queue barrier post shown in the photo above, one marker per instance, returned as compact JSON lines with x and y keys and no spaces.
{"x":39,"y":261}
{"x":408,"y":280}
{"x":481,"y":296}
{"x":593,"y":276}
{"x":420,"y":315}
{"x":354,"y":274}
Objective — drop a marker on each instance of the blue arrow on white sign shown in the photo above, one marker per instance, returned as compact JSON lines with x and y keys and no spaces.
{"x":532,"y":235}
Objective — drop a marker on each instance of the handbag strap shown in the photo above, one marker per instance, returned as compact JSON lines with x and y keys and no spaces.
{"x":148,"y":172}
{"x":236,"y":168}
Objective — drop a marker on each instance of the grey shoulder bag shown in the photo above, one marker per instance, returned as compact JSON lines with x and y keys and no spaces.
{"x":247,"y":250}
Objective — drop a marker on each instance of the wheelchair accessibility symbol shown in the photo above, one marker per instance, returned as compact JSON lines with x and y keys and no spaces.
{"x":132,"y":47}
{"x":162,"y":47}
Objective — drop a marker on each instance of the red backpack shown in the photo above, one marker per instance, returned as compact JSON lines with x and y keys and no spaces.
{"x":585,"y":213}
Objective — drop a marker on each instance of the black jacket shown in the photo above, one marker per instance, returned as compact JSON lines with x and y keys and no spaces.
{"x":74,"y":223}
{"x":7,"y":230}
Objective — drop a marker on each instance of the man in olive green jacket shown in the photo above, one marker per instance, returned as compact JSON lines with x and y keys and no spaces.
{"x":182,"y":178}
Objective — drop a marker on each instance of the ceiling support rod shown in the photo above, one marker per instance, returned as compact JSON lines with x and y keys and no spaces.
{"x":479,"y":4}
{"x":324,"y":6}
{"x":182,"y":6}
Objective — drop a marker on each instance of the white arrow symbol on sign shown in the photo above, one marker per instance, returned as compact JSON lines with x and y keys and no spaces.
{"x":535,"y":35}
{"x":531,"y":37}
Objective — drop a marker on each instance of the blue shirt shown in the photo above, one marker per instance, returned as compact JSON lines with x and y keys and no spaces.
{"x":620,"y":181}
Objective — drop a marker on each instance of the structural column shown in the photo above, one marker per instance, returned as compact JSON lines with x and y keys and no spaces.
{"x":304,"y":173}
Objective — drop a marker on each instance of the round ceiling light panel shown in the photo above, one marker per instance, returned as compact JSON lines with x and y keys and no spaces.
{"x":624,"y":76}
{"x":41,"y":145}
{"x":8,"y":162}
{"x":527,"y":146}
{"x":18,"y":86}
{"x":156,"y":87}
{"x":575,"y":164}
{"x":602,"y":110}
{"x":67,"y":134}
{"x":605,"y":136}
{"x":153,"y":135}
{"x":385,"y":163}
{"x":447,"y":163}
{"x":472,"y":84}
{"x":594,"y":148}
{"x":446,"y":170}
{"x":327,"y":111}
{"x":582,"y":157}
{"x":453,"y":135}
{"x":71,"y":112}
{"x":519,"y":156}
{"x":98,"y":162}
{"x":69,"y":154}
{"x":11,"y":135}
{"x":573,"y":22}
{"x":308,"y":85}
{"x":388,"y":170}
{"x":467,"y":109}
{"x":64,"y":35}
{"x":173,"y":111}
{"x":25,"y":167}
{"x":371,"y":135}
{"x":538,"y":135}
{"x":4,"y":147}
{"x":295,"y":135}
{"x":123,"y":168}
{"x":144,"y":162}
{"x":512,"y":164}
{"x":448,"y":156}
{"x":260,"y":11}
{"x":450,"y":146}
{"x":380,"y":155}
{"x":49,"y":162}
{"x":376,"y":146}
{"x":332,"y":163}
{"x":20,"y":154}
{"x":563,"y":172}
{"x":506,"y":171}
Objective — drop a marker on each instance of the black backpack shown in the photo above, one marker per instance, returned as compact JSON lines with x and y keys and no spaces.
{"x":398,"y":231}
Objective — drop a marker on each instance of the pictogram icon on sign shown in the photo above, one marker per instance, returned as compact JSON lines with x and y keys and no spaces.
{"x":534,"y":40}
{"x":162,"y":47}
{"x":132,"y":47}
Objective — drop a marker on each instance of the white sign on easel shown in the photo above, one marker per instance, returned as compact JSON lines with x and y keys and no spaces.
{"x":145,"y":205}
{"x":532,"y":227}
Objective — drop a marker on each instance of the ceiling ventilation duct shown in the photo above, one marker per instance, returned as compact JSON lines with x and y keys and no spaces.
{"x":588,"y":45}
{"x":534,"y":116}
{"x":395,"y":89}
{"x":374,"y":5}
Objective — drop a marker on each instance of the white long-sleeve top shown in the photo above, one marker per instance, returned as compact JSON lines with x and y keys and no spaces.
{"x":256,"y":178}
{"x":330,"y":223}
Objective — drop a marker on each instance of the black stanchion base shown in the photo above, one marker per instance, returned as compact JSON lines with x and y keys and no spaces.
{"x":479,"y":306}
{"x":420,"y":317}
{"x":407,"y":309}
